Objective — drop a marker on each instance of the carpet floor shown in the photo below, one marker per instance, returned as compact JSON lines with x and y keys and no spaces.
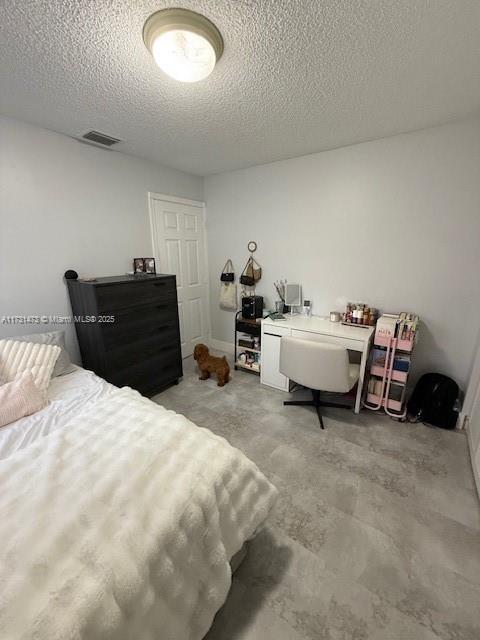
{"x":376,"y":533}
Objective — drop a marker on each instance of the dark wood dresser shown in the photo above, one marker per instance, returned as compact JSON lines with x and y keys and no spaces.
{"x":128,"y":331}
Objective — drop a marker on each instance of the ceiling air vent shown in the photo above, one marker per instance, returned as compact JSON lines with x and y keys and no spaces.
{"x":100,"y":138}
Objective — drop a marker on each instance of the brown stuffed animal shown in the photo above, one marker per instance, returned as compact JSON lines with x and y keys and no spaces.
{"x":210,"y":364}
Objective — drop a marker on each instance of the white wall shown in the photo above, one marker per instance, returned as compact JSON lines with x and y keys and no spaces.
{"x":393,"y":222}
{"x":63,"y":205}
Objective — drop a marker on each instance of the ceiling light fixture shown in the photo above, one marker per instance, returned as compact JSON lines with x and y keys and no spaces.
{"x":184,"y":44}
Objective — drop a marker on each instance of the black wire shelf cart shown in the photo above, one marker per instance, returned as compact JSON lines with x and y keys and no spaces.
{"x":248,"y":330}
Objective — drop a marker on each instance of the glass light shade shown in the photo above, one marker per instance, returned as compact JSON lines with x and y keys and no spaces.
{"x":184,"y":55}
{"x":184,"y":44}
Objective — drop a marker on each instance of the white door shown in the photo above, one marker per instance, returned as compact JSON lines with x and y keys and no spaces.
{"x":178,"y":235}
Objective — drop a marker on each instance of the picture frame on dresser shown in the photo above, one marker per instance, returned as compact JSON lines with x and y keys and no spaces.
{"x":138,"y":265}
{"x":149,"y":265}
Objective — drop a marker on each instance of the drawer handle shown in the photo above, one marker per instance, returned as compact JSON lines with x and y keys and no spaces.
{"x":159,"y":284}
{"x":276,"y":335}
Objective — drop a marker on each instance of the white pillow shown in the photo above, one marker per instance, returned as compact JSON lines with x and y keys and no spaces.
{"x":63,"y":364}
{"x":19,"y":398}
{"x":18,"y":357}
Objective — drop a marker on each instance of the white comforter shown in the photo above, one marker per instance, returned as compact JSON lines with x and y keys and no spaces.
{"x":121,"y":525}
{"x":67,"y":395}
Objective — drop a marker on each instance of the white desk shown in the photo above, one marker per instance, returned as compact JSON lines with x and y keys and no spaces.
{"x":310,"y":328}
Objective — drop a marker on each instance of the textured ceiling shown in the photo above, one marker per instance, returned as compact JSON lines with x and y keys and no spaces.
{"x":297,"y":76}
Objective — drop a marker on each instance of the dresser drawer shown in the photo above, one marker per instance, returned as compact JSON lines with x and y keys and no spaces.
{"x":149,"y":375}
{"x":120,"y":296}
{"x":137,"y":324}
{"x":126,"y":355}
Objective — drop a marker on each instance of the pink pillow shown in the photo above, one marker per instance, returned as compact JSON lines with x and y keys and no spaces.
{"x":19,"y":398}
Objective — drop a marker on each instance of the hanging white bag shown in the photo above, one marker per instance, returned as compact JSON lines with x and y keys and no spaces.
{"x":228,"y":296}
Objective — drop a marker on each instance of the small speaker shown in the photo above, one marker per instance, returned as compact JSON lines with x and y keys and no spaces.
{"x":70,"y":274}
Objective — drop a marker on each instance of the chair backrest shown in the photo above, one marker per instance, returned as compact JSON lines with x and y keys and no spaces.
{"x":316,"y":365}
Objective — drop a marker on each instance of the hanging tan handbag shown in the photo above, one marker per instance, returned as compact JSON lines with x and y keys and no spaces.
{"x":257,"y":270}
{"x":248,"y":274}
{"x":252,"y":271}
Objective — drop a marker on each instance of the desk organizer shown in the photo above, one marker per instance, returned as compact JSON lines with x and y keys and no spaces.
{"x":390,"y":367}
{"x":359,"y":314}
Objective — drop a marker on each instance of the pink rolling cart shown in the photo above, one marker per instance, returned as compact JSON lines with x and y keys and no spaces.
{"x":387,"y":380}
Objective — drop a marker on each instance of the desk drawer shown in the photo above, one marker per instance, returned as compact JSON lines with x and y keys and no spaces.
{"x":272,"y":330}
{"x":354,"y":345}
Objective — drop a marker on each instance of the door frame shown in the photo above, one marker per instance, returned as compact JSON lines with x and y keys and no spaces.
{"x":473,"y":391}
{"x":473,"y":452}
{"x":472,"y":388}
{"x":153,"y":195}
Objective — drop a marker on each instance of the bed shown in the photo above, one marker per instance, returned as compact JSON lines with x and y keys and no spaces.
{"x":119,"y":518}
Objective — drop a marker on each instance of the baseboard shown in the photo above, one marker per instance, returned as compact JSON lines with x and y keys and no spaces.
{"x":476,"y":471}
{"x":219,"y":345}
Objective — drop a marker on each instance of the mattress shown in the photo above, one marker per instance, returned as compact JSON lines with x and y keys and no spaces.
{"x":66,"y":395}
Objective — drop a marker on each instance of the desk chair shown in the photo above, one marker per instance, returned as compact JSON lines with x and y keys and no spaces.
{"x":320,"y":366}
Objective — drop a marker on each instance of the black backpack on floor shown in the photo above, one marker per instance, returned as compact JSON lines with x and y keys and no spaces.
{"x":433,"y":401}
